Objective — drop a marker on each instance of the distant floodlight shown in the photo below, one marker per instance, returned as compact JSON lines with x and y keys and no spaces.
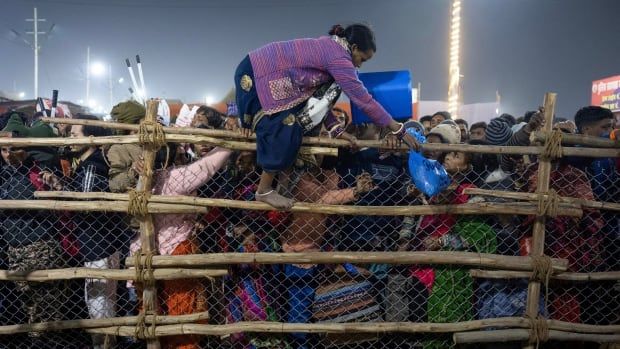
{"x":92,"y":103}
{"x":209,"y":100}
{"x":22,"y":94}
{"x":121,"y":80}
{"x":97,"y":69}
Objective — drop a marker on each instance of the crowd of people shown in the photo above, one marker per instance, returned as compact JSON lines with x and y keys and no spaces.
{"x":41,"y":239}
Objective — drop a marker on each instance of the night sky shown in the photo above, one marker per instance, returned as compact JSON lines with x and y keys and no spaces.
{"x":190,"y":48}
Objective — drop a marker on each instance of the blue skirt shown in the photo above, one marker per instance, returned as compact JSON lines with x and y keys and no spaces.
{"x":279,"y":135}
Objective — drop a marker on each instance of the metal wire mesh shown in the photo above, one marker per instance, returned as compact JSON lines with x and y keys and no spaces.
{"x":304,"y":293}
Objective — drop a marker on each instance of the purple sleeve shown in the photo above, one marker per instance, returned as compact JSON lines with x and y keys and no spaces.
{"x":345,"y":74}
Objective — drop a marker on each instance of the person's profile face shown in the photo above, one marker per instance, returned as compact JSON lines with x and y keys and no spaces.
{"x":359,"y":57}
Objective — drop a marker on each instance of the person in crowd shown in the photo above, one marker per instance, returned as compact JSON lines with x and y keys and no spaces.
{"x":446,"y":133}
{"x":477,"y":131}
{"x":371,"y":233}
{"x":100,"y":235}
{"x":440,"y":117}
{"x":426,"y":122}
{"x":451,"y":289}
{"x":463,"y":126}
{"x":604,"y":178}
{"x":314,"y":181}
{"x":498,"y":132}
{"x":175,"y":235}
{"x":31,"y":237}
{"x":272,"y":90}
{"x":123,"y":158}
{"x":580,"y":240}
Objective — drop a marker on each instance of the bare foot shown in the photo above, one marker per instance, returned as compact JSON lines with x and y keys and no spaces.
{"x":276,"y":200}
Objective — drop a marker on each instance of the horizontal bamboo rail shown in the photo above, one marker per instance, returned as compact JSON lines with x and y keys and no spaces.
{"x":104,"y":206}
{"x":170,"y":131}
{"x":518,"y":335}
{"x":612,"y":206}
{"x":506,"y":274}
{"x":462,"y":209}
{"x":95,"y":323}
{"x":111,"y":274}
{"x":134,"y":139}
{"x":361,"y":327}
{"x":404,"y":258}
{"x":575,"y":139}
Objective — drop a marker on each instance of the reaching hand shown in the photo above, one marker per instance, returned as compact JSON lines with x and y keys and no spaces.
{"x":245,"y":132}
{"x":536,"y":121}
{"x":364,"y":183}
{"x":50,"y":180}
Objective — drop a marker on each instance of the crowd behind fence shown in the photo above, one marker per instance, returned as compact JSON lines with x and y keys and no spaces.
{"x":155,"y":239}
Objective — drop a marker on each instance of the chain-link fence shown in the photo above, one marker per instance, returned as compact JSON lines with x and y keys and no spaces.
{"x":388,"y":292}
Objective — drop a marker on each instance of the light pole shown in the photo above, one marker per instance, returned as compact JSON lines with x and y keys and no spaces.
{"x":454,"y":70}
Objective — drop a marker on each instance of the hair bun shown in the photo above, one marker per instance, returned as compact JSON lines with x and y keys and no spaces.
{"x":337,"y":30}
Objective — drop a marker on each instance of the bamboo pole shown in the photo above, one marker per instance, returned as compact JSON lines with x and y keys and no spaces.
{"x":518,"y":335}
{"x":361,"y":327}
{"x":104,"y":206}
{"x":321,"y":141}
{"x":403,"y":258}
{"x":581,"y":277}
{"x":279,"y":327}
{"x":576,"y":139}
{"x":109,"y":274}
{"x":147,"y":229}
{"x":612,"y":206}
{"x":538,"y":231}
{"x":134,"y":139}
{"x":566,"y":209}
{"x":95,"y":323}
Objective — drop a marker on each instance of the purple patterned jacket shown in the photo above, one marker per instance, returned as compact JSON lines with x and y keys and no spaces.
{"x":287,"y":73}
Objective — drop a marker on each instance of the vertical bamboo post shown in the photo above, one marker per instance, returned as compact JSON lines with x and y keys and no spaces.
{"x":538,"y":233}
{"x":147,"y":230}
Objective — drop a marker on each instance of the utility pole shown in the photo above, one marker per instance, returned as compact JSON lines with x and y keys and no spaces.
{"x":87,"y":75}
{"x":36,"y":48}
{"x":110,"y":86}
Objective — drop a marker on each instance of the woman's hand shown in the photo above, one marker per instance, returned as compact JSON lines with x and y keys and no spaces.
{"x":364,"y":183}
{"x":245,"y":132}
{"x":401,"y":135}
{"x":50,"y":180}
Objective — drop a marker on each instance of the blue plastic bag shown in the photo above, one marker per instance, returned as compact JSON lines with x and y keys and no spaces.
{"x":428,"y":176}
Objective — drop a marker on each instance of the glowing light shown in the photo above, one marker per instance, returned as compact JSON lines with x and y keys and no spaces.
{"x":92,"y":103}
{"x":22,"y":94}
{"x":454,"y":69}
{"x":209,"y":100}
{"x":97,"y":69}
{"x":121,"y":80}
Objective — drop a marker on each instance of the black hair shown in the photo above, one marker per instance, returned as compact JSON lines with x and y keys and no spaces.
{"x":480,"y":124}
{"x":215,"y":119}
{"x":89,"y":130}
{"x":426,"y":118}
{"x":446,"y":115}
{"x":509,"y":119}
{"x":590,"y":114}
{"x":356,"y":34}
{"x":462,"y":121}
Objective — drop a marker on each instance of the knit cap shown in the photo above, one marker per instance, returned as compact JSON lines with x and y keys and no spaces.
{"x":129,"y":112}
{"x":498,"y":132}
{"x":448,"y":132}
